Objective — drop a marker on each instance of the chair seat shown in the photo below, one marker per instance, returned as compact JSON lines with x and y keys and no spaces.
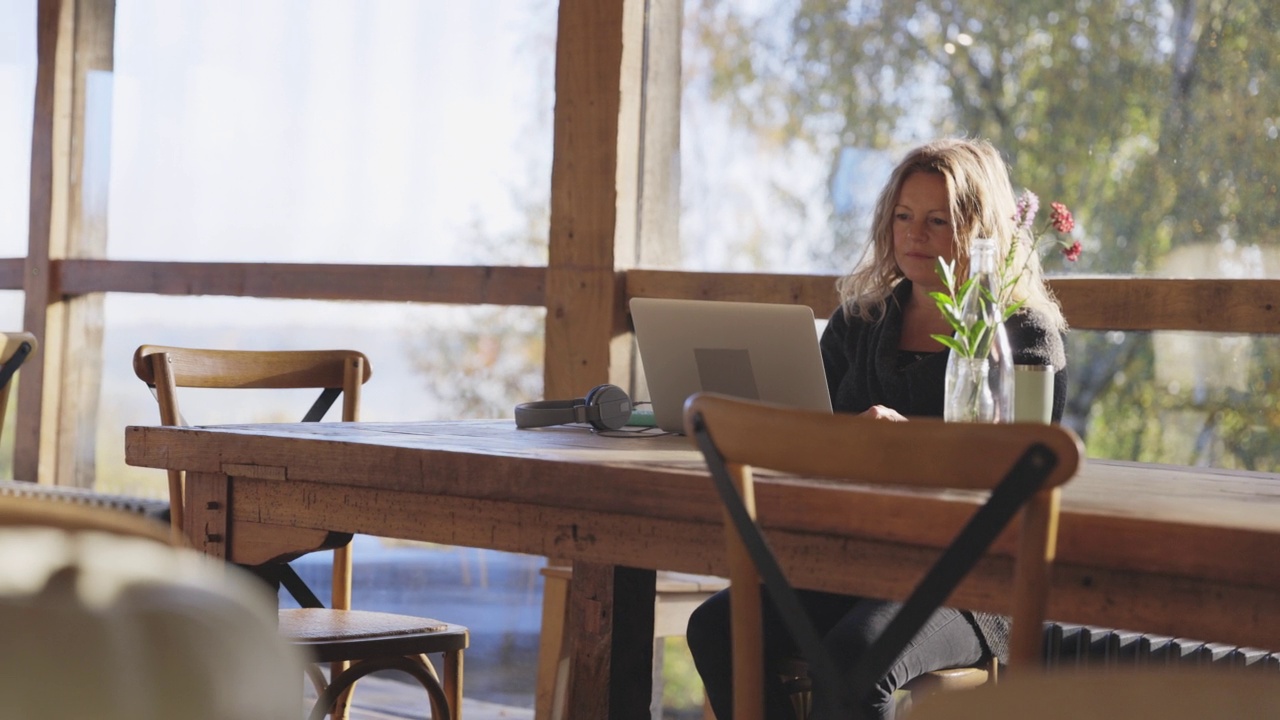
{"x":964,"y":678}
{"x":335,"y":635}
{"x":795,"y":674}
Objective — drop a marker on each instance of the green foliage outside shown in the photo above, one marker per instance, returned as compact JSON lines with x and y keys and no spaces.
{"x":1157,"y":123}
{"x":681,"y":686}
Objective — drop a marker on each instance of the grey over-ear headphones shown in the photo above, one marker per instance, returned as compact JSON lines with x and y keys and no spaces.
{"x":606,"y":407}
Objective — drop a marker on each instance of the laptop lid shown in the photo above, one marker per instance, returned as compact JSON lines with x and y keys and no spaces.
{"x":757,"y":351}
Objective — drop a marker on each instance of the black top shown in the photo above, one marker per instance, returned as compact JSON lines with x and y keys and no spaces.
{"x":865,"y":366}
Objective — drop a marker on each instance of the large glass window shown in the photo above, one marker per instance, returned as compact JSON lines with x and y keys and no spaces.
{"x":352,"y":132}
{"x":17,"y":93}
{"x":17,"y":89}
{"x":1156,"y":122}
{"x":356,"y":131}
{"x":367,"y":132}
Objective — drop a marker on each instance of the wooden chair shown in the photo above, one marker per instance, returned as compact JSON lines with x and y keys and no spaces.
{"x":15,"y":348}
{"x":1168,"y":694}
{"x":676,"y":597}
{"x":1023,"y":465}
{"x":371,"y":641}
{"x":19,"y":511}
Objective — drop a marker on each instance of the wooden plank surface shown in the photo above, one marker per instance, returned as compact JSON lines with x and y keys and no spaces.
{"x":1164,"y":549}
{"x":469,"y":285}
{"x":1090,"y":303}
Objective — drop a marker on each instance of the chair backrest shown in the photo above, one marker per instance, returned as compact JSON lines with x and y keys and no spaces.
{"x":15,"y":348}
{"x":334,"y":372}
{"x":1023,"y":466}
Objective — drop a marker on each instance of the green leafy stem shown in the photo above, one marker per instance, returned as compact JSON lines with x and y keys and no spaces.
{"x":969,"y":340}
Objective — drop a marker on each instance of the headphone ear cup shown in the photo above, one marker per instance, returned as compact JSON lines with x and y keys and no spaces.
{"x":608,"y":407}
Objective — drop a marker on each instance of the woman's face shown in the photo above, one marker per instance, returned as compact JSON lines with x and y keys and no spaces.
{"x":922,"y":229}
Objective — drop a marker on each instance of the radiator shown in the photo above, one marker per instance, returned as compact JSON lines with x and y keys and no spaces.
{"x":1068,"y":646}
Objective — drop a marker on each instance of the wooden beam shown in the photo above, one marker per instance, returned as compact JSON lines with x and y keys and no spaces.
{"x":70,"y":173}
{"x":383,"y":283}
{"x":1140,"y":303}
{"x":816,"y":291}
{"x":658,"y":197}
{"x":593,"y":181}
{"x":1113,"y":302}
{"x":1091,"y":303}
{"x":12,"y":272}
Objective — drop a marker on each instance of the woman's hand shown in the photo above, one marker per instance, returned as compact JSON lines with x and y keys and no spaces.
{"x":880,"y":412}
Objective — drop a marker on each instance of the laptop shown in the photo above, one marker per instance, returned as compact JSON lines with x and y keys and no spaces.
{"x":757,"y":351}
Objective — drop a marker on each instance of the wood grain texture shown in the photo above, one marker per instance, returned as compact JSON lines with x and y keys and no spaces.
{"x":12,"y":273}
{"x":611,"y":631}
{"x":50,"y":153}
{"x":469,"y":285}
{"x":592,"y":184}
{"x":1090,"y":303}
{"x":70,"y":170}
{"x":1223,"y":518}
{"x":208,"y":515}
{"x":1158,"y":597}
{"x":1175,"y":550}
{"x":921,"y":455}
{"x":835,"y":445}
{"x":1202,"y":305}
{"x":272,"y":369}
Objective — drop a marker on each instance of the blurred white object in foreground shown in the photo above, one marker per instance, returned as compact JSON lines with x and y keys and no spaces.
{"x":103,"y":625}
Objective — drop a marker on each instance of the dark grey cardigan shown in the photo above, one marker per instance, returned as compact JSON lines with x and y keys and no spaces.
{"x":863,"y":368}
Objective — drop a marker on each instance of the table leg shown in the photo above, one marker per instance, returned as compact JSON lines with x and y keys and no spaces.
{"x":207,"y":517}
{"x":611,"y":636}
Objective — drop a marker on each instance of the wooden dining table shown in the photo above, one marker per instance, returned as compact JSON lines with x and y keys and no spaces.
{"x":1185,"y":552}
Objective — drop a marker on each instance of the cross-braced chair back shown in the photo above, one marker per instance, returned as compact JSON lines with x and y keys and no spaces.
{"x":1023,"y":466}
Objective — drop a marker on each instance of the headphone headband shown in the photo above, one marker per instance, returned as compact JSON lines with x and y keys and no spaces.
{"x":606,"y":407}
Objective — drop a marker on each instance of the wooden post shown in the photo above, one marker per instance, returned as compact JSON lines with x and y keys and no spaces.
{"x":594,"y":179}
{"x":70,"y":171}
{"x":615,"y":190}
{"x":599,"y":177}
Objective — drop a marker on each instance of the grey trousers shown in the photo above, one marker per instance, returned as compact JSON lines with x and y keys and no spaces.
{"x":847,"y":625}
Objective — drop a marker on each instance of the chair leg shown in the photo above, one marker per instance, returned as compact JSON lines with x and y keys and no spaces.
{"x":342,"y":703}
{"x":417,"y":666}
{"x":341,"y":600}
{"x":453,"y":681}
{"x":555,"y":608}
{"x":317,"y":678}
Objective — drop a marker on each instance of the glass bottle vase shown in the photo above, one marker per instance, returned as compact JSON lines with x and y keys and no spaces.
{"x":980,"y":389}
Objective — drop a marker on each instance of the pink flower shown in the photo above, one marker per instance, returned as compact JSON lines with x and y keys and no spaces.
{"x":1062,"y":221}
{"x":1072,"y":253}
{"x":1027,"y":207}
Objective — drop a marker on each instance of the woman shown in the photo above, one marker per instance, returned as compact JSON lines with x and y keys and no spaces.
{"x":882,"y":361}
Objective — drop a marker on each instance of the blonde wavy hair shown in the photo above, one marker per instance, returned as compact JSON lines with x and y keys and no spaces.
{"x":981,"y":203}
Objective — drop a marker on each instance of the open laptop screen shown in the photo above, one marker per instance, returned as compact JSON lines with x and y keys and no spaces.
{"x":758,"y":351}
